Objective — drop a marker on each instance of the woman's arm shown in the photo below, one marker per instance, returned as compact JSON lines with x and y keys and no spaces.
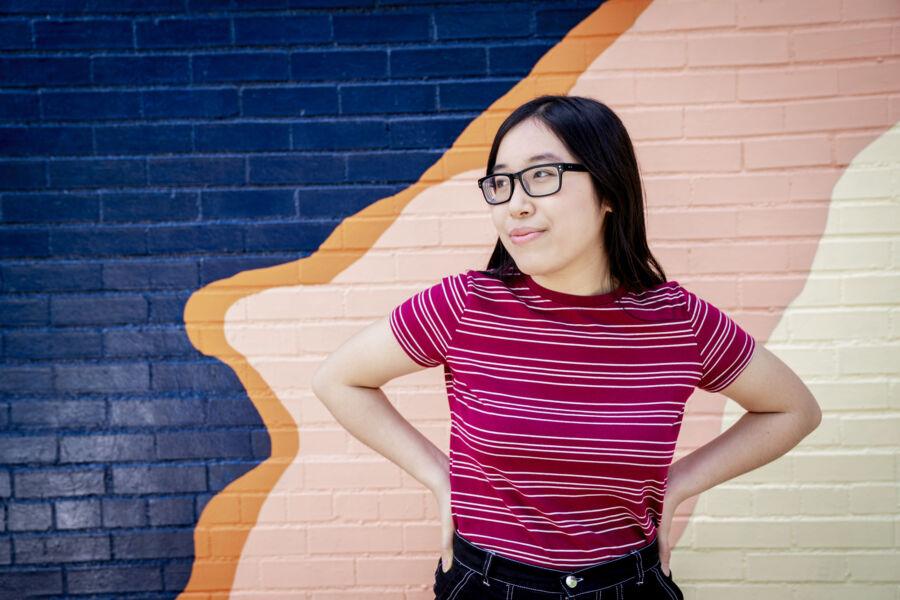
{"x":349,"y":385}
{"x":781,"y":412}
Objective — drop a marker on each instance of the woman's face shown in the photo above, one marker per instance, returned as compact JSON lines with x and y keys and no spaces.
{"x":572,"y":218}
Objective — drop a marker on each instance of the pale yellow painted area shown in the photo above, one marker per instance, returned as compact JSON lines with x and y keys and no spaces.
{"x":822,"y":521}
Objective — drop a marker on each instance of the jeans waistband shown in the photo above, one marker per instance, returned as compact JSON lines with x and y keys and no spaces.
{"x":492,"y":567}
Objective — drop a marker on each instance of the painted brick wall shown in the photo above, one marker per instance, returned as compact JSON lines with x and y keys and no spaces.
{"x":148,"y":148}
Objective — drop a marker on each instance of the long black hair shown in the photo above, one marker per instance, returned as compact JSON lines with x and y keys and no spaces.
{"x":595,"y":135}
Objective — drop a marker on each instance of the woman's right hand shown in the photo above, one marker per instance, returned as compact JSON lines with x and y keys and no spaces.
{"x":447,"y":529}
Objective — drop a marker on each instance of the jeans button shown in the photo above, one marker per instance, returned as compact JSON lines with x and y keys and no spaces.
{"x":572,"y":581}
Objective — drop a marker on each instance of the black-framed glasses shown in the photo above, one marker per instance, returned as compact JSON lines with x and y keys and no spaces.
{"x":537,"y":181}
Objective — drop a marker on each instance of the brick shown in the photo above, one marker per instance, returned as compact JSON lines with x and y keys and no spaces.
{"x":216,"y":268}
{"x":196,"y":376}
{"x":557,"y":21}
{"x":307,"y":100}
{"x":425,"y":133}
{"x":98,"y":310}
{"x":295,"y":169}
{"x":472,"y":95}
{"x":196,"y":238}
{"x":5,"y":489}
{"x":67,"y":549}
{"x":318,"y":203}
{"x":222,"y":474}
{"x":388,"y":98}
{"x":24,"y":311}
{"x":287,"y":236}
{"x":253,"y":204}
{"x":51,"y":482}
{"x":108,"y":378}
{"x":97,"y":172}
{"x":20,"y":243}
{"x":140,"y":70}
{"x":170,"y":104}
{"x":354,"y":134}
{"x":317,"y":65}
{"x":27,"y":449}
{"x":202,"y":445}
{"x":29,"y":516}
{"x":42,"y":71}
{"x":140,"y":207}
{"x":30,"y":344}
{"x":196,"y":170}
{"x":262,"y":443}
{"x":15,"y":35}
{"x":159,"y":413}
{"x":195,"y":32}
{"x":281,"y":30}
{"x":259,"y":66}
{"x":381,"y":28}
{"x":84,"y":33}
{"x":169,"y":342}
{"x":50,"y":208}
{"x":123,"y":512}
{"x":131,"y":578}
{"x":177,"y":574}
{"x":50,"y":277}
{"x":168,"y":307}
{"x":22,"y":584}
{"x":171,"y":511}
{"x":105,"y":448}
{"x":154,"y":544}
{"x":98,"y":241}
{"x":402,"y":166}
{"x":144,"y":139}
{"x":77,"y":514}
{"x":479,"y":24}
{"x":157,"y":275}
{"x":19,"y":105}
{"x":22,"y":175}
{"x":26,"y":379}
{"x":233,"y":413}
{"x":78,"y":105}
{"x":438,"y":62}
{"x":242,"y":137}
{"x":158,"y":479}
{"x":514,"y":60}
{"x":58,"y":414}
{"x":52,"y":141}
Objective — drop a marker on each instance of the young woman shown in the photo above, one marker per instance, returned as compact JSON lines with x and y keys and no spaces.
{"x":568,"y":363}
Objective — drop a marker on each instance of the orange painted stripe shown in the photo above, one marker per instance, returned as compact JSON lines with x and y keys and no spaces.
{"x":227,"y":519}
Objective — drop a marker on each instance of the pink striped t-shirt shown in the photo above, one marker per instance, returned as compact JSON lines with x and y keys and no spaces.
{"x":565,"y":409}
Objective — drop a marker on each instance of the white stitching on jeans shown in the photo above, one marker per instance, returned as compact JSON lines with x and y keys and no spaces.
{"x":460,"y":585}
{"x":665,"y":585}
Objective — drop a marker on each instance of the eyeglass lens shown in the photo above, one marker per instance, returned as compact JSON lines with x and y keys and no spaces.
{"x":539,"y":181}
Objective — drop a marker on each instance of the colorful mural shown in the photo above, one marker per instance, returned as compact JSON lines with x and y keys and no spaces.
{"x":199,"y":204}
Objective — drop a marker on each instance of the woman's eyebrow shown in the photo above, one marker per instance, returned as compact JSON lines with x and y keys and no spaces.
{"x":541,"y":156}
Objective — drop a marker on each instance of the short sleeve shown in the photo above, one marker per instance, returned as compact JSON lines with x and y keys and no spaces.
{"x":425,"y":322}
{"x":725,"y":348}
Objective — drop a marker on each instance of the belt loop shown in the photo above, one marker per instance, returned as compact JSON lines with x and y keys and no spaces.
{"x":640,"y":566}
{"x":487,"y":565}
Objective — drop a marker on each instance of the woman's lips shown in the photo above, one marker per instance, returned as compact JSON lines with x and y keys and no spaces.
{"x":524,"y":239}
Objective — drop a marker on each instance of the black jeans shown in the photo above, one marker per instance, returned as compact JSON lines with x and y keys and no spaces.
{"x":480,"y":574}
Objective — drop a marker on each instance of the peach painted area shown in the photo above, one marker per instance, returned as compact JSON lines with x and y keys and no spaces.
{"x":250,"y":539}
{"x":745,"y":115}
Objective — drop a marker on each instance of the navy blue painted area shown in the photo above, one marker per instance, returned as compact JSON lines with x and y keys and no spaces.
{"x":148,"y":148}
